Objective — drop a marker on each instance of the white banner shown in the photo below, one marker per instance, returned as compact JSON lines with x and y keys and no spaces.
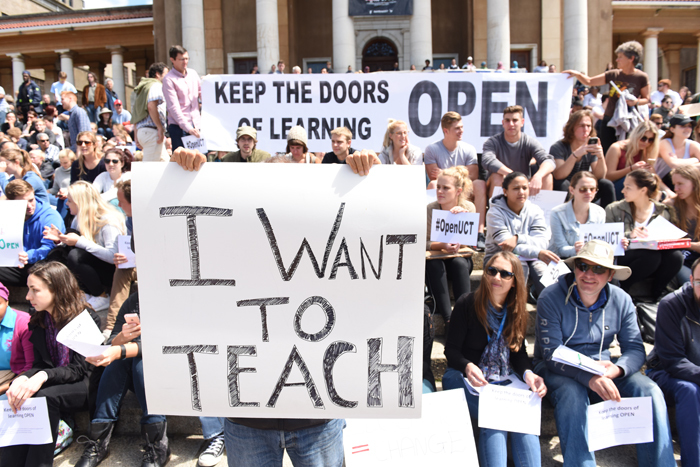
{"x":611,"y":233}
{"x":11,"y":231}
{"x":364,"y":103}
{"x":454,"y":228}
{"x":281,"y":290}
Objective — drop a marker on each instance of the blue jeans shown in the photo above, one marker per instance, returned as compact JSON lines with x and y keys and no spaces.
{"x":119,"y":377}
{"x":571,"y":401}
{"x":493,"y":444}
{"x":319,"y":446}
{"x":211,"y":426}
{"x":92,"y":112}
{"x":686,"y":396}
{"x":176,"y":135}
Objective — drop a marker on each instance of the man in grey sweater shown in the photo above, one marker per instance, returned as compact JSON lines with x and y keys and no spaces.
{"x":512,"y":150}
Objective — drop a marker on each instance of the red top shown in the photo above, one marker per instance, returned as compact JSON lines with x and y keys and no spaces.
{"x":622,"y":161}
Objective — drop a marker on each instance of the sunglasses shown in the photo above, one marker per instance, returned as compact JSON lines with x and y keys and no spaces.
{"x":644,"y":139}
{"x":505,"y":275}
{"x":584,"y":189}
{"x":43,"y":140}
{"x":84,"y":143}
{"x":112,"y":161}
{"x":595,"y":268}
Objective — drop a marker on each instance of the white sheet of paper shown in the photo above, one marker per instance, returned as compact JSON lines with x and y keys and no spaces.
{"x":515,"y":382}
{"x":510,"y":409}
{"x":192,"y":142}
{"x":661,"y":229}
{"x":611,"y":233}
{"x":454,"y":228}
{"x":28,"y":426}
{"x":82,"y":335}
{"x":124,"y":245}
{"x":612,"y":423}
{"x":442,"y":436}
{"x":563,"y":354}
{"x":11,"y":231}
{"x":430,"y":196}
{"x":545,"y":199}
{"x":553,"y":271}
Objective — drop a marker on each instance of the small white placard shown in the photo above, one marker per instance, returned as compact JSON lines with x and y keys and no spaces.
{"x":30,"y":425}
{"x":124,"y":245}
{"x":459,"y":228}
{"x":611,"y":233}
{"x":553,"y":271}
{"x":442,"y":436}
{"x":82,"y":335}
{"x":567,"y":356}
{"x":510,"y":409}
{"x":11,"y":231}
{"x":545,"y":199}
{"x":612,"y":423}
{"x":192,"y":142}
{"x":661,"y":229}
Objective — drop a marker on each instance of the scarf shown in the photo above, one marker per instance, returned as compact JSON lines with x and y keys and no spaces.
{"x":495,"y":360}
{"x":59,"y":353}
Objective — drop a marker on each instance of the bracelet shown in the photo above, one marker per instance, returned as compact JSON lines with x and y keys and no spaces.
{"x":123,"y":349}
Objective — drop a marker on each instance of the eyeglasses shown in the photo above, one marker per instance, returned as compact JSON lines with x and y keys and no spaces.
{"x":505,"y":275}
{"x":594,"y":268}
{"x":84,"y":143}
{"x":644,"y":139}
{"x":696,"y":283}
{"x":112,"y":161}
{"x":584,"y":189}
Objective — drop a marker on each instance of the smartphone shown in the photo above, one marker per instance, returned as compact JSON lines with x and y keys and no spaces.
{"x":593,"y":140}
{"x":132,"y":318}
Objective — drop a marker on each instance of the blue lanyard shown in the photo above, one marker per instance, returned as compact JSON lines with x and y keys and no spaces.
{"x":500,"y":328}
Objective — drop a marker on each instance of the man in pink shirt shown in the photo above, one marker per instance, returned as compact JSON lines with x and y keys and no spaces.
{"x":182,"y":90}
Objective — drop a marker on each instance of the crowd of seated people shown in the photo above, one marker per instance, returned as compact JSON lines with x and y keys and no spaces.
{"x":649,"y":174}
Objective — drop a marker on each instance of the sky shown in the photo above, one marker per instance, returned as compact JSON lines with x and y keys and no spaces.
{"x":90,"y":4}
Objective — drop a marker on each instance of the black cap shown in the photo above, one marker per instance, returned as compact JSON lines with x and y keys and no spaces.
{"x":679,"y":119}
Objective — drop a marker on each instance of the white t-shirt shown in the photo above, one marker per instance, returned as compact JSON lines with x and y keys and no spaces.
{"x":657,"y":96}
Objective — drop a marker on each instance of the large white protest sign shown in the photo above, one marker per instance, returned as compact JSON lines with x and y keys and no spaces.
{"x":442,"y":436}
{"x":364,"y":103}
{"x":11,"y":230}
{"x":281,"y":290}
{"x":613,"y":423}
{"x":454,"y":228}
{"x":545,"y":199}
{"x":611,"y":233}
{"x":510,"y":409}
{"x":30,"y":425}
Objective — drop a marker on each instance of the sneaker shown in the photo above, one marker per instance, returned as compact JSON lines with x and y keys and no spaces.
{"x":97,"y":303}
{"x":480,"y":242}
{"x":213,"y":451}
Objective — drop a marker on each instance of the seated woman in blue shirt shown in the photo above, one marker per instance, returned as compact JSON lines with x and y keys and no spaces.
{"x":566,"y":219}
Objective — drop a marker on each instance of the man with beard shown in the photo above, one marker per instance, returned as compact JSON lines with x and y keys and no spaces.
{"x":246,"y":138}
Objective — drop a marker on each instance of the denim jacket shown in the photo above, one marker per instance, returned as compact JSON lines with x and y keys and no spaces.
{"x":566,"y":229}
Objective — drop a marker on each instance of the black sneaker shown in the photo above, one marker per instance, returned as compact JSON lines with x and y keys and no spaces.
{"x":480,"y":242}
{"x":213,"y":451}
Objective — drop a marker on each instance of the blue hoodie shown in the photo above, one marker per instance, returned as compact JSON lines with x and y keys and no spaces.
{"x":677,"y":337}
{"x":34,"y":243}
{"x":563,"y":320}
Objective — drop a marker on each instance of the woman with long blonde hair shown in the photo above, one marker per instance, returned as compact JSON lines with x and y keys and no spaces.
{"x":397,"y":149}
{"x":638,"y":151}
{"x":89,"y":164}
{"x":98,"y":224}
{"x":16,"y":163}
{"x":486,"y":342}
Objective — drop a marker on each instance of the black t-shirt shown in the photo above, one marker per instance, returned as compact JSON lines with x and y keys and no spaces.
{"x":89,"y":175}
{"x":561,"y":150}
{"x":331,"y":158}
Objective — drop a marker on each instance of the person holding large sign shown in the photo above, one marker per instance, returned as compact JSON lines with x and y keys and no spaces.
{"x":515,"y":224}
{"x":36,"y":247}
{"x":583,"y":312}
{"x":675,"y":361}
{"x":486,"y":342}
{"x":58,"y":373}
{"x":341,"y":141}
{"x":567,"y":218}
{"x":686,"y":184}
{"x":453,"y":187}
{"x":511,"y":151}
{"x":637,"y":210}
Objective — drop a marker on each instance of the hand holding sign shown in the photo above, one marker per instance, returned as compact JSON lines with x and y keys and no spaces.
{"x":195,"y":142}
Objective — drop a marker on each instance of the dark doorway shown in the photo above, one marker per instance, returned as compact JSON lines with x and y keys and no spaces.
{"x":380,"y":55}
{"x":243,"y":66}
{"x":520,"y":56}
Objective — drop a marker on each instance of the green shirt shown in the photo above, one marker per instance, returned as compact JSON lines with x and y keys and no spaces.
{"x":256,"y":156}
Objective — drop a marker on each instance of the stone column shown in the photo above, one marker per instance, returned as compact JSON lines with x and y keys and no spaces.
{"x":421,"y":34}
{"x":697,"y":67}
{"x":50,"y":77}
{"x":343,"y":37}
{"x":576,"y":35}
{"x":193,"y":34}
{"x":551,"y":33}
{"x":17,"y":69}
{"x":67,"y":64}
{"x":118,"y":71}
{"x":673,"y":58}
{"x":498,"y":35}
{"x":651,"y":55}
{"x":268,"y":34}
